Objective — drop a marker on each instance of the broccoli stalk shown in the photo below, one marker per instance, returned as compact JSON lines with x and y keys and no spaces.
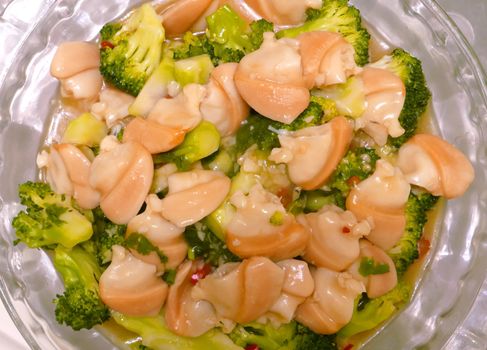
{"x":406,"y":250}
{"x":199,"y":143}
{"x":50,"y":218}
{"x":80,"y":305}
{"x":228,"y":38}
{"x":340,"y":17}
{"x":191,"y":70}
{"x":131,"y":50}
{"x":369,"y":313}
{"x":291,"y":336}
{"x":154,"y":334}
{"x":85,"y":130}
{"x":154,"y":89}
{"x":408,"y":68}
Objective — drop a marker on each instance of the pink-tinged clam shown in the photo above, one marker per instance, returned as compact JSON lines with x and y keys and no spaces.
{"x":131,"y":286}
{"x":78,"y":170}
{"x":385,"y":94}
{"x":161,"y":233}
{"x":327,"y":58}
{"x":382,"y":198}
{"x":283,"y":12}
{"x":298,"y":285}
{"x":335,"y":235}
{"x":74,"y":57}
{"x":185,"y":315}
{"x":181,"y":112}
{"x":193,"y":195}
{"x":332,"y":303}
{"x":223,"y":105}
{"x":434,"y":164}
{"x":375,"y":284}
{"x":314,"y":152}
{"x":260,"y":226}
{"x":274,"y":89}
{"x":242,"y":292}
{"x":180,"y":16}
{"x":123,"y":176}
{"x":156,"y":138}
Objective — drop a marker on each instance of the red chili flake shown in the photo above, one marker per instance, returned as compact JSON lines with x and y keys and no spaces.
{"x":200,"y":274}
{"x":353,"y":181}
{"x":424,"y":246}
{"x":345,"y":229}
{"x":252,"y":347}
{"x":286,"y":196}
{"x":104,"y":44}
{"x":348,"y":347}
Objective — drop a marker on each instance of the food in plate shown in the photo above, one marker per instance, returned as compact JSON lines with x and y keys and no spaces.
{"x":239,"y":176}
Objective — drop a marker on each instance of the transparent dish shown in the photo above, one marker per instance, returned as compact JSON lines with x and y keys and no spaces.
{"x":449,"y":305}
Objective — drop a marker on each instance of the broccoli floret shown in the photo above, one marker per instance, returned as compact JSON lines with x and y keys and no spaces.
{"x":203,"y":243}
{"x":228,"y":38}
{"x":50,"y":218}
{"x":406,"y":250}
{"x":80,"y":306}
{"x":155,"y":334}
{"x":192,"y":45}
{"x":349,"y":97}
{"x":369,"y":313}
{"x":409,"y":69}
{"x":106,"y":234}
{"x":261,"y":131}
{"x":313,"y":201}
{"x":355,"y":166}
{"x":340,"y":17}
{"x":291,"y":336}
{"x":131,"y":50}
{"x":199,"y":143}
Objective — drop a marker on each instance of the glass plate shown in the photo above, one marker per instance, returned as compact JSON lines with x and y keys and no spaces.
{"x":452,"y":277}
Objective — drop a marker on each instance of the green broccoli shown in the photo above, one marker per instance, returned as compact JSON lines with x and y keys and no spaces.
{"x":191,"y":70}
{"x":349,"y":97}
{"x":86,"y":130}
{"x":291,"y":336}
{"x":225,"y":160}
{"x":313,"y":201}
{"x":228,"y":38}
{"x":262,"y":131}
{"x":406,"y":250}
{"x":50,"y":218}
{"x":131,"y":50}
{"x":106,"y":234}
{"x":357,"y":165}
{"x":369,"y":313}
{"x":199,"y":143}
{"x":340,"y":17}
{"x":80,"y":306}
{"x":155,"y":334}
{"x":409,"y":69}
{"x":203,"y":243}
